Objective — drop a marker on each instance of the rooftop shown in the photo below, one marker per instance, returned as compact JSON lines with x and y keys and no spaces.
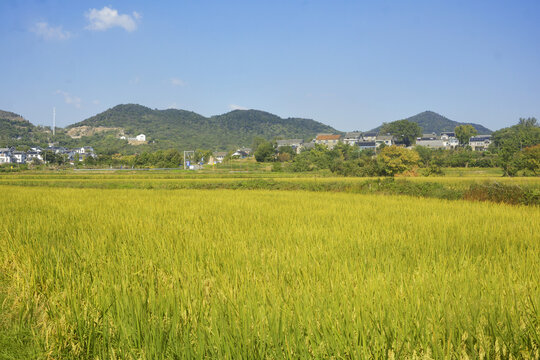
{"x":328,"y":137}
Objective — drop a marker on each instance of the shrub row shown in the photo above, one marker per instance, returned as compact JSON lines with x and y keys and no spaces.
{"x":497,"y":192}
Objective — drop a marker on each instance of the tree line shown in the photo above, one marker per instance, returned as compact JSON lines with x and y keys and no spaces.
{"x":515,"y":149}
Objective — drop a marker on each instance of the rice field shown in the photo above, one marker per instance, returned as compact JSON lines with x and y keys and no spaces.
{"x":170,"y":179}
{"x":148,"y":274}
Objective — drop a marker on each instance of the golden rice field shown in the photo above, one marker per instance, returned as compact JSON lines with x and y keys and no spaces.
{"x":142,"y":179}
{"x":148,"y":274}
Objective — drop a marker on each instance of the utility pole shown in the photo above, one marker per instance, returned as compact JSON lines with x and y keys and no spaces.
{"x":54,"y":121}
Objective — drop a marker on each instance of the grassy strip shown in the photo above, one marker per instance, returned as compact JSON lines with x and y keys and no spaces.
{"x":493,"y":191}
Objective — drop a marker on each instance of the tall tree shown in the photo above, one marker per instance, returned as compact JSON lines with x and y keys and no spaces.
{"x":394,"y":160}
{"x":405,"y":131}
{"x":464,"y":133}
{"x":265,"y":152}
{"x":510,"y":141}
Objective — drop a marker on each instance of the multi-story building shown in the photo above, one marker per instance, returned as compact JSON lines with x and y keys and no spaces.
{"x":296,"y":144}
{"x":352,"y":138}
{"x":5,"y":156}
{"x":480,"y":142}
{"x":330,"y":140}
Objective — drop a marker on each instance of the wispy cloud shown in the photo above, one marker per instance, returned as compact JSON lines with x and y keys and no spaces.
{"x":96,"y":102}
{"x":106,"y":18}
{"x":237,"y":107}
{"x":70,"y":99}
{"x":177,"y":82}
{"x":136,"y":80}
{"x":48,"y":32}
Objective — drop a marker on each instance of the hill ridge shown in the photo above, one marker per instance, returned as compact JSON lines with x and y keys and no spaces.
{"x":430,"y":121}
{"x":176,"y":128}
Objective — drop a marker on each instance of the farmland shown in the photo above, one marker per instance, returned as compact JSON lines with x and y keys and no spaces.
{"x":93,"y":266}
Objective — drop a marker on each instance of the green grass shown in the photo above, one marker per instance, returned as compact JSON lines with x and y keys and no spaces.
{"x":90,"y":273}
{"x":473,"y":172}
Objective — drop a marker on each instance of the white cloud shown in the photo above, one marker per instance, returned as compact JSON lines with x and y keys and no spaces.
{"x":177,"y":82}
{"x":174,"y":105}
{"x":95,"y":102}
{"x":107,"y":18}
{"x":135,"y":81}
{"x":237,"y":107}
{"x":48,"y":32}
{"x":70,"y":99}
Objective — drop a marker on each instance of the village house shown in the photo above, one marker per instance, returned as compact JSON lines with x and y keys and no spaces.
{"x":330,"y":140}
{"x":296,"y":144}
{"x":352,"y":138}
{"x":58,"y":149}
{"x":367,"y":145}
{"x":247,"y":150}
{"x":431,"y":136}
{"x":432,"y":143}
{"x":448,"y":135}
{"x":480,"y":142}
{"x":369,"y":136}
{"x":307,"y":146}
{"x":18,"y":157}
{"x":220,"y":156}
{"x":84,"y":150}
{"x":5,"y":156}
{"x":10,"y":155}
{"x":387,"y":140}
{"x":82,"y":153}
{"x":87,"y":155}
{"x":240,"y":153}
{"x":33,"y":155}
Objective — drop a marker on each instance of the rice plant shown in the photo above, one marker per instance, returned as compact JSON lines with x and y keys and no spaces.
{"x":146,"y":274}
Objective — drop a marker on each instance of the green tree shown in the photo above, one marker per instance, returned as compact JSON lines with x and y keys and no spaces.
{"x":395,"y":160}
{"x":508,"y":143}
{"x":287,"y":150}
{"x":257,"y":140}
{"x":405,"y":131}
{"x":425,"y":153}
{"x":464,"y":133}
{"x":265,"y":152}
{"x":531,"y":159}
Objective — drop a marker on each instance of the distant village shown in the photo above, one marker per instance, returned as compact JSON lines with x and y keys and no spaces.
{"x":367,"y":141}
{"x":373,"y":140}
{"x":364,"y":140}
{"x":39,"y":155}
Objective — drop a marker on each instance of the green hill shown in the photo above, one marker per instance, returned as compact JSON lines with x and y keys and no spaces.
{"x":188,"y":130}
{"x":430,"y":122}
{"x":14,"y":130}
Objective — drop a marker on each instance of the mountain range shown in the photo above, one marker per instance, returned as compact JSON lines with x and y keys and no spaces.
{"x":174,"y":128}
{"x":181,"y":129}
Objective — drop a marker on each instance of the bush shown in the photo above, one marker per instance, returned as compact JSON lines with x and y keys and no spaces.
{"x":276,"y":167}
{"x":497,"y":192}
{"x":433,"y":170}
{"x":395,"y":160}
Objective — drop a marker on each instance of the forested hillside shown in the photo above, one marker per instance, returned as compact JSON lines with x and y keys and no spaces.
{"x":430,"y":122}
{"x":188,"y":130}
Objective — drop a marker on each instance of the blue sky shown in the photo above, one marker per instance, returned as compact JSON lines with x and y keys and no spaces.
{"x":350,"y":64}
